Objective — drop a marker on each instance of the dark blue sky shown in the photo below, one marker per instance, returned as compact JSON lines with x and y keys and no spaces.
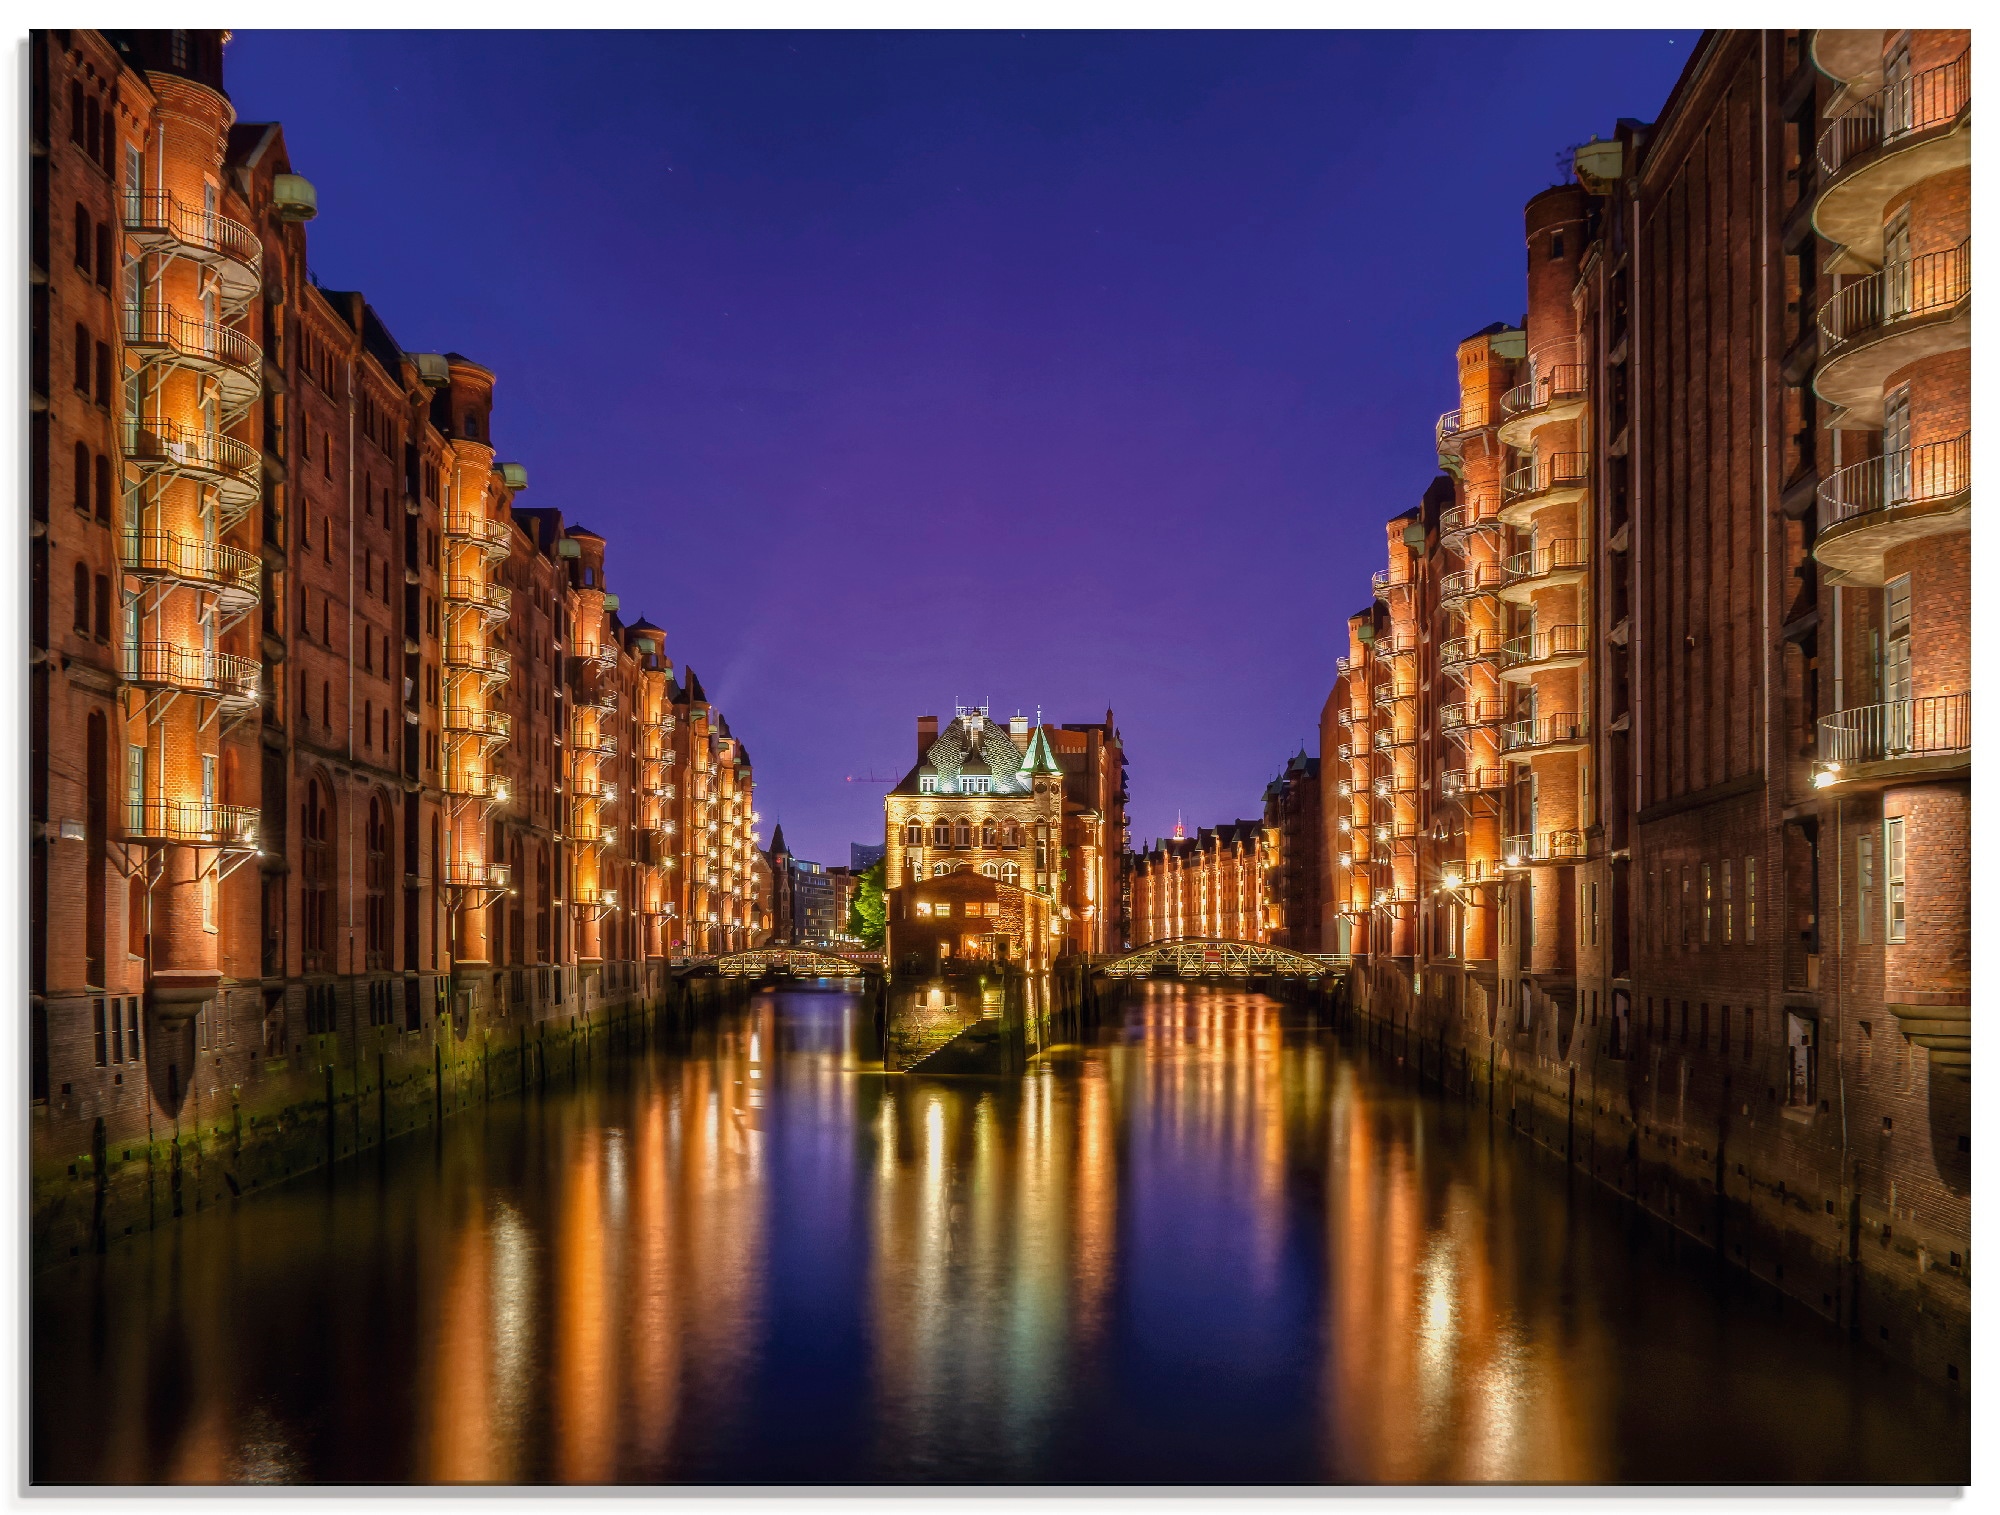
{"x":1061,"y":369}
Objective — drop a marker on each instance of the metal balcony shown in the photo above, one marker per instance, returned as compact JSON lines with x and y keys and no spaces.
{"x":1466,"y":583}
{"x":170,"y":665}
{"x":1456,"y":427}
{"x":222,"y":353}
{"x":1868,"y":508}
{"x":1387,"y":738}
{"x":597,"y":654}
{"x":230,"y":573}
{"x":1388,"y":695}
{"x":483,"y":532}
{"x":1556,"y":392}
{"x":1386,"y":579}
{"x":1463,"y":652}
{"x":589,"y":736}
{"x":1542,"y":848}
{"x":593,"y":790}
{"x":1881,"y":145}
{"x":1480,"y":511}
{"x":1889,"y":319}
{"x":470,"y":657}
{"x":1558,"y":479}
{"x":1459,"y":783}
{"x":488,"y":725}
{"x":163,"y":225}
{"x":1543,"y":651}
{"x":1545,"y":734}
{"x":235,"y":470}
{"x":477,"y":877}
{"x":1870,"y":744}
{"x":1563,"y":560}
{"x":489,"y":600}
{"x":476,"y":786}
{"x":233,"y":828}
{"x":1472,"y":715}
{"x":1396,"y":644}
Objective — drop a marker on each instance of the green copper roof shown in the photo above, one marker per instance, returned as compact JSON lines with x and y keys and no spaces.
{"x":1041,"y":756}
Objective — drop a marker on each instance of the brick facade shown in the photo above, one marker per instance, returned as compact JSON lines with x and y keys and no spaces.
{"x":1665,"y":845}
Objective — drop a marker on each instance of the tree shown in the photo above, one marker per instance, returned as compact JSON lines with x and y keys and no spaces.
{"x":868,"y":911}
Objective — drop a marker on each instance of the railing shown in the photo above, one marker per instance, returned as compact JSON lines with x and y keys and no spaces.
{"x":481,"y":531}
{"x":1930,"y":725}
{"x":1543,"y":847}
{"x":1561,"y":470}
{"x":1345,"y":716}
{"x":175,"y":666}
{"x":1542,"y":731}
{"x":590,"y":737}
{"x":462,"y":875}
{"x":486,"y":723}
{"x":1556,"y":382}
{"x":489,"y":661}
{"x":193,"y":337}
{"x":1388,"y":695}
{"x":1466,"y":715}
{"x":1391,"y":578}
{"x":153,"y":214}
{"x":601,"y":654}
{"x":1541,"y":646}
{"x":1343,"y":664}
{"x":1463,"y":583}
{"x":1459,"y":422}
{"x":483,"y":786}
{"x":1913,"y":105}
{"x":601,"y":791}
{"x":1905,"y":291}
{"x":192,"y":822}
{"x":167,"y":554}
{"x":1396,"y":645}
{"x":1561,"y":555}
{"x":1386,"y":737}
{"x":1457,"y":652}
{"x":1482,"y":508}
{"x":481,"y":594}
{"x":1455,"y":783}
{"x":1911,"y":476}
{"x":168,"y":444}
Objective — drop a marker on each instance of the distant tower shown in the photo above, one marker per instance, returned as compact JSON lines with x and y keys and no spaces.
{"x":781,"y":886}
{"x":1180,"y":829}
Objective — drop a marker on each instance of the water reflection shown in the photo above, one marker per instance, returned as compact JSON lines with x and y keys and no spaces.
{"x":1202,"y":1243}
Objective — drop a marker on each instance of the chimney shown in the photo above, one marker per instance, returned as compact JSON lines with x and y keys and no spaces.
{"x":1018,"y":727}
{"x":926,"y":734}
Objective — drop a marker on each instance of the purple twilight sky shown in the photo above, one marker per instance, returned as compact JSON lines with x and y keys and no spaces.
{"x":1067,"y":370}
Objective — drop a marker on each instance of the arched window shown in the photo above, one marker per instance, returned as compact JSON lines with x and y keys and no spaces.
{"x":104,"y":489}
{"x":1010,"y":873}
{"x":964,"y":832}
{"x":941,"y":833}
{"x":472,"y":425}
{"x":82,"y":592}
{"x":913,"y":834}
{"x":542,"y":903}
{"x":989,"y":835}
{"x":1010,"y":835}
{"x":991,"y":870}
{"x":939,"y":870}
{"x":317,"y":883}
{"x":81,"y":495}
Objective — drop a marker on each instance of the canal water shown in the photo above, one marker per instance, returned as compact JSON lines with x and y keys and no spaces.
{"x":1202,"y":1243}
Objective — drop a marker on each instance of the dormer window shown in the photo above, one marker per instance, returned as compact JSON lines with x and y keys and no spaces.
{"x":974,"y":785}
{"x":927,"y":784}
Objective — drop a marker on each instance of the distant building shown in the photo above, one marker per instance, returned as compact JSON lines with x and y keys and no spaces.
{"x":1293,"y":845}
{"x":1207,"y":885}
{"x":861,"y":856}
{"x":803,"y":896}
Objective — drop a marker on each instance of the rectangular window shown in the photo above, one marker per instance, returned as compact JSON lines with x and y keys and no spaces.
{"x":1750,"y":900}
{"x":135,"y":790}
{"x":1801,"y":1060}
{"x":1892,"y":867}
{"x":1864,"y":886}
{"x":1722,"y":1046}
{"x":1728,"y":903}
{"x":97,"y":1019}
{"x":1687,"y":906}
{"x":1707,"y":904}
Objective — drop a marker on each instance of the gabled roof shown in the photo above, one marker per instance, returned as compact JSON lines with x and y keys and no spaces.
{"x":1040,"y":756}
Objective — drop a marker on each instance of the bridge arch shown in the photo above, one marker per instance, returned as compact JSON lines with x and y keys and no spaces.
{"x":792,"y":962}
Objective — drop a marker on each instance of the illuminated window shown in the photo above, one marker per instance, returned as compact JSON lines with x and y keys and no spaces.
{"x":1728,"y":914}
{"x":1750,"y":900}
{"x":941,"y":833}
{"x":913,"y":834}
{"x":1892,"y":871}
{"x":1707,"y":904}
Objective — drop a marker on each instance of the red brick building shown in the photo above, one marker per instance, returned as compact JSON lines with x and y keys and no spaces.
{"x":1212,"y":884}
{"x":1650,"y":813}
{"x":343,"y":766}
{"x":1293,"y":867}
